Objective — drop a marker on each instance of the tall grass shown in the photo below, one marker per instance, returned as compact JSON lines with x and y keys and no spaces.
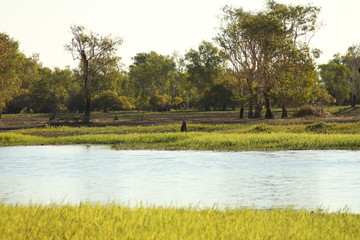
{"x":94,"y":221}
{"x":197,"y":141}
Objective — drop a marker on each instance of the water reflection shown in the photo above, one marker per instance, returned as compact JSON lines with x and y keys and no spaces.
{"x":308,"y":179}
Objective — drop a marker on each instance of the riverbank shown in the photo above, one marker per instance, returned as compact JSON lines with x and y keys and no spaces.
{"x":217,"y":137}
{"x":197,"y":141}
{"x":111,"y":221}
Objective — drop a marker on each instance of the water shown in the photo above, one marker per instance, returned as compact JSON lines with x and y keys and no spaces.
{"x":70,"y":174}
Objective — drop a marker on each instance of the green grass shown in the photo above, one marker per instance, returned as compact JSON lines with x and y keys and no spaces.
{"x":95,"y":221}
{"x":318,"y":127}
{"x":196,"y":141}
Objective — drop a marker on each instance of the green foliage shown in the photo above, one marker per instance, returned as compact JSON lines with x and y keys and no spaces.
{"x":204,"y":66}
{"x":334,"y":76}
{"x":16,"y":70}
{"x":111,"y":221}
{"x":177,"y":102}
{"x":269,"y":49}
{"x":160,"y":102}
{"x":95,"y":54}
{"x":219,"y":97}
{"x":152,"y":74}
{"x":110,"y":101}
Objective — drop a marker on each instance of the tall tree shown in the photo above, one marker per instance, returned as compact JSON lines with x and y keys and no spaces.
{"x":259,"y":44}
{"x":94,"y":52}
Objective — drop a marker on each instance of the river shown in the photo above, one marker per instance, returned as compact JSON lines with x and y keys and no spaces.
{"x":78,"y":173}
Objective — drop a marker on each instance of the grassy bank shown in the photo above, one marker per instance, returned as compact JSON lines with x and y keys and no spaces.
{"x":196,"y":141}
{"x":91,"y":221}
{"x":317,"y":127}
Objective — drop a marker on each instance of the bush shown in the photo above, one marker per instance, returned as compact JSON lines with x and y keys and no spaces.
{"x":219,"y":97}
{"x":310,"y":110}
{"x":126,"y":103}
{"x":320,"y":127}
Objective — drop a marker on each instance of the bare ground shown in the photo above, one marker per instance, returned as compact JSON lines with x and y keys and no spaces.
{"x":20,"y":121}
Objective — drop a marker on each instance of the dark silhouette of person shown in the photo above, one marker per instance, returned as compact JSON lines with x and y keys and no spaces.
{"x":183,"y":127}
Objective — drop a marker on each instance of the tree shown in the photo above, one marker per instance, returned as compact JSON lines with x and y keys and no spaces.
{"x":334,"y":75}
{"x":16,"y":70}
{"x":219,"y":97}
{"x":259,"y":44}
{"x":152,"y":74}
{"x":204,"y":66}
{"x":94,"y":52}
{"x":294,"y":85}
{"x":52,"y":91}
{"x":352,"y":61}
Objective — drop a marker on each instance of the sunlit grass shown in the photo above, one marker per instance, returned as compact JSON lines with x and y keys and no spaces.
{"x":197,"y":141}
{"x":319,"y":127}
{"x":111,"y":221}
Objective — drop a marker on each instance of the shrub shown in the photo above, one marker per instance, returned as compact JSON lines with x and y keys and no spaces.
{"x":310,"y":110}
{"x":320,"y":127}
{"x":110,"y":101}
{"x":160,"y":102}
{"x":126,"y":103}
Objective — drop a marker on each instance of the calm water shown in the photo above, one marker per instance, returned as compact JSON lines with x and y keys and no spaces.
{"x":309,"y":179}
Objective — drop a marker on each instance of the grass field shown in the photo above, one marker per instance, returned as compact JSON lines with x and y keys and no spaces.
{"x":92,"y":221}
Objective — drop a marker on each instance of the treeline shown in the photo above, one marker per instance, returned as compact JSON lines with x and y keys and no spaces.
{"x":258,"y":60}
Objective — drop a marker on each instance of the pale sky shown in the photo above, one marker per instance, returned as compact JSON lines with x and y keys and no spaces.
{"x":164,"y":26}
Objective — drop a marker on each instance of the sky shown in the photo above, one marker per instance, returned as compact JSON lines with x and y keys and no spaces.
{"x":163,"y":26}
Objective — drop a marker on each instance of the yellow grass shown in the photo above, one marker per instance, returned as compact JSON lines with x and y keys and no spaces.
{"x":92,"y":221}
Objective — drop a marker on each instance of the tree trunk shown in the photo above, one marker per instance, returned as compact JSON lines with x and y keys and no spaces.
{"x":251,"y":109}
{"x":258,"y":110}
{"x":1,"y":110}
{"x":268,"y":114}
{"x":353,"y":100}
{"x":241,"y":114}
{"x":258,"y":107}
{"x":87,"y":89}
{"x":284,"y":112}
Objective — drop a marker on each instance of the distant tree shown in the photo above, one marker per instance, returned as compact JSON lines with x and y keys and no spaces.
{"x":51,"y":92}
{"x":352,"y":61}
{"x":151,"y":74}
{"x":219,"y":97}
{"x":204,"y":66}
{"x":334,"y":75}
{"x":94,"y":53}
